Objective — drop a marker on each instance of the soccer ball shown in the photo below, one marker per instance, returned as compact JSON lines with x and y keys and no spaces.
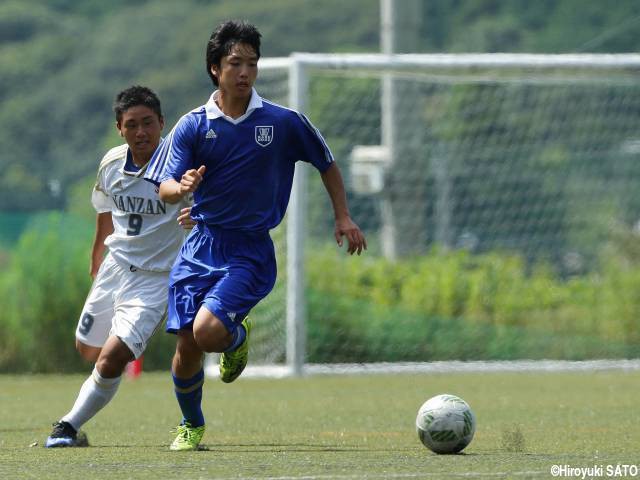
{"x":445,"y":424}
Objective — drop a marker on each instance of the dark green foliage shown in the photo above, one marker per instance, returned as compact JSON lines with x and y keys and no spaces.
{"x":63,"y":61}
{"x":42,"y":291}
{"x":442,"y":306}
{"x":457,"y":306}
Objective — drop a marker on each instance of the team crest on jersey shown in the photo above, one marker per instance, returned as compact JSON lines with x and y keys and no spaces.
{"x":264,"y":135}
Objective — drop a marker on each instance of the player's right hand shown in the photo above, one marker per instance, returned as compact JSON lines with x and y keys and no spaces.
{"x":191,"y":179}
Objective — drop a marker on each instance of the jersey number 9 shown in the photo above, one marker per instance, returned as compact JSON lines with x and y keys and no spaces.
{"x":135,"y":224}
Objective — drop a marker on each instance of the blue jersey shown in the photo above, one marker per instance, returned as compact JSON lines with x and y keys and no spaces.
{"x":249,"y":161}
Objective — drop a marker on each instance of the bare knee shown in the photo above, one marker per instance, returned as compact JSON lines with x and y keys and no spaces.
{"x":187,"y":360}
{"x":114,"y":358}
{"x":210,"y":334}
{"x":88,"y":352}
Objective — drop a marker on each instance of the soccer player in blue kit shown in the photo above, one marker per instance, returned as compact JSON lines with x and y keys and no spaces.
{"x":237,"y":155}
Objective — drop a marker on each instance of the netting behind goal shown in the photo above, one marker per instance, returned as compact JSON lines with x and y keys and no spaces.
{"x":500,"y":196}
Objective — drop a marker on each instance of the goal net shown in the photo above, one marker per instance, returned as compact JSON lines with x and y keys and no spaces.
{"x":500,"y":196}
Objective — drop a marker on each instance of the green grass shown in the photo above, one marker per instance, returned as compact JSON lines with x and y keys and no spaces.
{"x":327,"y":427}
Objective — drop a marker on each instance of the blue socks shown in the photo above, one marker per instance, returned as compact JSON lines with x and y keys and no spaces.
{"x":189,"y":395}
{"x":239,"y":334}
{"x":189,"y":391}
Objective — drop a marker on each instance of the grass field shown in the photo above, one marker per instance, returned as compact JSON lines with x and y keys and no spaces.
{"x":324,"y":427}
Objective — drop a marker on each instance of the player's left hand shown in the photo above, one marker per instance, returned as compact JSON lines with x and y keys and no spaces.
{"x":345,"y":227}
{"x":185,"y":220}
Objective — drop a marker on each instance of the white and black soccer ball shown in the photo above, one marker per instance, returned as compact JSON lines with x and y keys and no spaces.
{"x":445,"y":424}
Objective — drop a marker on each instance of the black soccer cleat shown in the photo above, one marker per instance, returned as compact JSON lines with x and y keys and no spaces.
{"x":64,"y":435}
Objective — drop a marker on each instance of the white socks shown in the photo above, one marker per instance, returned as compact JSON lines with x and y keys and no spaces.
{"x":95,"y":393}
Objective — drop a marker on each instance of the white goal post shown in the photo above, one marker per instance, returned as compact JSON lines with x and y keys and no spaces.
{"x":369,"y":163}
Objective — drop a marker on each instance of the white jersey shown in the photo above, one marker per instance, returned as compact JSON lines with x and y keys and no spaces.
{"x":146,"y":231}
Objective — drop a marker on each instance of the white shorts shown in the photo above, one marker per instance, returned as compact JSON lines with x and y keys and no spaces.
{"x":125,"y":302}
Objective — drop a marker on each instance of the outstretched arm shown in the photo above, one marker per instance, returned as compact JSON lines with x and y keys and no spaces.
{"x":332,"y":179}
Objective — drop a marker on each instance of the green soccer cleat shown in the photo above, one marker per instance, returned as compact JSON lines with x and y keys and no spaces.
{"x":188,"y":438}
{"x":232,"y":363}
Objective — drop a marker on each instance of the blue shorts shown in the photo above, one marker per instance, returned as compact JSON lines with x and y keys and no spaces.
{"x":228,"y":272}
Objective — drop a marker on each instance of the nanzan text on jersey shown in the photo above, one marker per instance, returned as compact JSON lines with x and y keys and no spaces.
{"x":139,"y":205}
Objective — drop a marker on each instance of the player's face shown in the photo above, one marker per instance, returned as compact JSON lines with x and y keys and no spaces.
{"x":237,"y":71}
{"x":141,"y":127}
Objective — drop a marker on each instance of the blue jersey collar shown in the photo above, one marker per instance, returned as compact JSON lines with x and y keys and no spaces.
{"x":213,"y":111}
{"x":130,"y":168}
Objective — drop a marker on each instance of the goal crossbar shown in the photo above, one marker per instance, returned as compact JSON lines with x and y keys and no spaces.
{"x":467,"y":60}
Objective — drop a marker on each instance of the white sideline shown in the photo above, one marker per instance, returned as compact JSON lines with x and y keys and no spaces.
{"x":282,"y":371}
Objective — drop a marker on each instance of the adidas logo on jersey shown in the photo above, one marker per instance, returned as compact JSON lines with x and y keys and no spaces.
{"x":210,"y":134}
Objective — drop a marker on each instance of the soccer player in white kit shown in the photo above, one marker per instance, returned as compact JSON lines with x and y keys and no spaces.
{"x":128,"y":299}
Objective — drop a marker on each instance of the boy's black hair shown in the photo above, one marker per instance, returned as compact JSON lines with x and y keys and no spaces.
{"x":133,"y":96}
{"x":225,"y":36}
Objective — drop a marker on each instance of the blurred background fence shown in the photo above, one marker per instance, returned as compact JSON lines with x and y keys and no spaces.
{"x":500,"y":198}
